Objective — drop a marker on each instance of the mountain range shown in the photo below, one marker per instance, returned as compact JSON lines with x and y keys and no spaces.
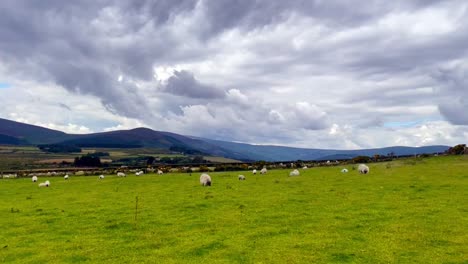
{"x":15,"y":133}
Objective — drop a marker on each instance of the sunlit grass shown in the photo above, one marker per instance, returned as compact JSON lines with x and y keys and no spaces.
{"x":412,"y":211}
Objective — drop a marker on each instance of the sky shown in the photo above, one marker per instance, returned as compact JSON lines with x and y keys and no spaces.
{"x":305,"y":73}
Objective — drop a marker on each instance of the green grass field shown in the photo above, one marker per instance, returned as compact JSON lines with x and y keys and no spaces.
{"x":408,"y":211}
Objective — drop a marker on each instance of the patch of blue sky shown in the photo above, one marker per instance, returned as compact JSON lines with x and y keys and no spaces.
{"x":406,"y":124}
{"x":4,"y":85}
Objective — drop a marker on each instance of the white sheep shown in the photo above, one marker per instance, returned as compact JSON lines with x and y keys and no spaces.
{"x":294,"y":173}
{"x":34,"y":178}
{"x":65,"y":177}
{"x":160,"y":172}
{"x":121,"y":174}
{"x":44,"y":184}
{"x":205,"y":180}
{"x":254,"y":171}
{"x":263,"y":171}
{"x":101,"y":177}
{"x":304,"y":168}
{"x":241,"y":178}
{"x":363,"y":169}
{"x":141,"y":173}
{"x":344,"y":170}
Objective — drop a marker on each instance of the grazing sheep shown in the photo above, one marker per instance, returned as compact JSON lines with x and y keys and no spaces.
{"x":101,"y":177}
{"x":241,"y":178}
{"x":121,"y":174}
{"x":34,"y":178}
{"x":160,"y":172}
{"x":205,"y":180}
{"x":344,"y":170}
{"x":294,"y":173}
{"x":65,"y":177}
{"x":263,"y":171}
{"x":6,"y":176}
{"x":363,"y":169}
{"x":304,"y":168}
{"x":254,"y":171}
{"x":44,"y":184}
{"x":141,"y":173}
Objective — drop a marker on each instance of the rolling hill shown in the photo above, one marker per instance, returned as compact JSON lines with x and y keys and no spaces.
{"x":15,"y":133}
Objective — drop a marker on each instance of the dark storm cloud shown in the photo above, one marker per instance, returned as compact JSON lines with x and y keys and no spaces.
{"x":454,"y":91}
{"x":184,"y":83}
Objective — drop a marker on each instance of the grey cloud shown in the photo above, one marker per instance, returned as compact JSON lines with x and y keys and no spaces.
{"x":84,"y":46}
{"x":184,"y":83}
{"x":64,"y":106}
{"x":453,"y":88}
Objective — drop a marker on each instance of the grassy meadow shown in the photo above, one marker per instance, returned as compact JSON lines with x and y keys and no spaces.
{"x":406,"y":211}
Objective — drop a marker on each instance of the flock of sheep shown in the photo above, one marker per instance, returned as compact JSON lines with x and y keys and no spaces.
{"x":205,"y":179}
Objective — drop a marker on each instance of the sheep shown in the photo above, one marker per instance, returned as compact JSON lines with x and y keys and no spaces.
{"x":101,"y":177}
{"x":241,"y":178}
{"x":121,"y":174}
{"x":263,"y":171}
{"x":139,"y":173}
{"x":363,"y":169}
{"x":304,"y":168}
{"x":254,"y":171}
{"x":8,"y":176}
{"x":65,"y":177}
{"x":160,"y":172}
{"x":34,"y":178}
{"x":344,"y":170}
{"x":294,"y":173}
{"x":205,"y":180}
{"x":44,"y":184}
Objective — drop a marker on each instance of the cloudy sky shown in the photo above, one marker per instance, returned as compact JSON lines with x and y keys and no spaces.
{"x":311,"y":73}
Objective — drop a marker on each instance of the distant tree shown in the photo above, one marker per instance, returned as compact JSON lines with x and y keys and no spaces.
{"x":87,"y":161}
{"x":150,"y":160}
{"x":457,"y":150}
{"x":58,"y":148}
{"x":361,"y":159}
{"x":198,"y":159}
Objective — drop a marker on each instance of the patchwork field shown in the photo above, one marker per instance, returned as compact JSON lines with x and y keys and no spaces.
{"x":20,"y":158}
{"x":407,"y":211}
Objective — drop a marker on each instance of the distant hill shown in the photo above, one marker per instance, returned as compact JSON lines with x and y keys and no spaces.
{"x":29,"y":133}
{"x":15,"y":133}
{"x":279,"y":153}
{"x":9,"y":140}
